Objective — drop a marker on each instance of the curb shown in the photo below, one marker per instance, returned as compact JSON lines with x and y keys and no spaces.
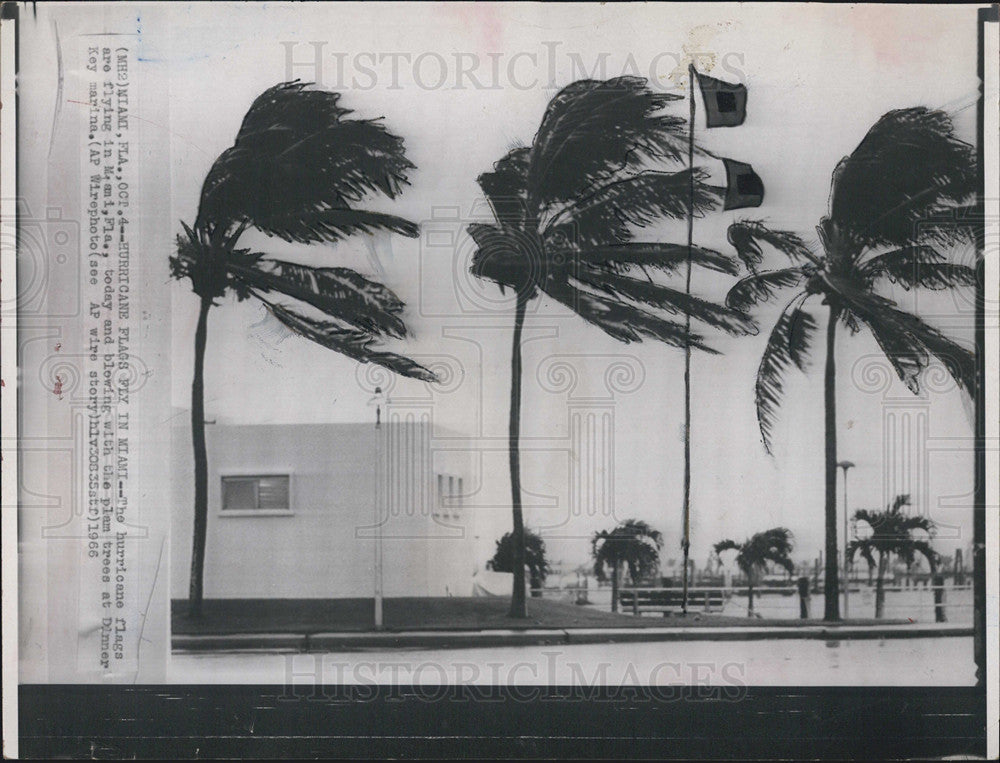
{"x":334,"y":642}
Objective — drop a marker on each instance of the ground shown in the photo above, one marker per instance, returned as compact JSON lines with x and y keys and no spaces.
{"x":307,"y":616}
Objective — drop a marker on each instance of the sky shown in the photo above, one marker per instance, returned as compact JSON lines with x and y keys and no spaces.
{"x":463,"y":83}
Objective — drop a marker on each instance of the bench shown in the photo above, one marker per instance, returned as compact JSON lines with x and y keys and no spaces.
{"x":669,"y":601}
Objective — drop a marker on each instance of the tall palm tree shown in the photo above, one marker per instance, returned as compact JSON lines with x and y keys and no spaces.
{"x":754,"y":554}
{"x":295,"y":172}
{"x":892,"y":535}
{"x":631,"y":545}
{"x":892,"y":217}
{"x":534,"y":558}
{"x":565,"y":208}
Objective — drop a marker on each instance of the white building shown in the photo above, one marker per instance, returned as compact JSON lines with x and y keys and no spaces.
{"x":292,"y":510}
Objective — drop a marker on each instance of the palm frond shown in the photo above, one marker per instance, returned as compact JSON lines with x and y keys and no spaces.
{"x":666,"y":257}
{"x":864,"y":548}
{"x":758,"y":287}
{"x":793,"y":325}
{"x":506,"y":188}
{"x":726,"y":545}
{"x":296,"y":157}
{"x":608,"y":215}
{"x":594,"y":128}
{"x":352,"y":342}
{"x":909,"y":166}
{"x":907,"y":341}
{"x":920,"y":266}
{"x":747,"y":235}
{"x":914,"y":547}
{"x":504,"y":255}
{"x":621,"y":321}
{"x":664,"y":298}
{"x":332,"y":224}
{"x":338,"y":292}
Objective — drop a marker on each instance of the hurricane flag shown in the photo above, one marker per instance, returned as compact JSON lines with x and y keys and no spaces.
{"x":726,"y":106}
{"x":744,"y":188}
{"x":725,"y":103}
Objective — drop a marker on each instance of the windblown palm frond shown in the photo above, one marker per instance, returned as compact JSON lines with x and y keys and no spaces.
{"x":632,"y":544}
{"x":909,"y":167}
{"x":747,"y":235}
{"x":761,"y":287}
{"x":294,"y":171}
{"x":593,"y":129}
{"x":568,"y":206}
{"x":908,"y":342}
{"x":752,"y":556}
{"x":892,"y":534}
{"x":788,"y":344}
{"x":298,"y":165}
{"x":920,"y":265}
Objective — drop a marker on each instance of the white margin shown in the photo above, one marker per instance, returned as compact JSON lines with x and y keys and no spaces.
{"x":991,"y":350}
{"x":8,"y":372}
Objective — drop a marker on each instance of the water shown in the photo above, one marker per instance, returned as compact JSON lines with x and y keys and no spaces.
{"x":941,"y":661}
{"x":916,"y":604}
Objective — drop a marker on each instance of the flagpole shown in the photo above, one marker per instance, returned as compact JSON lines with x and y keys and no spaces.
{"x":686,"y":543}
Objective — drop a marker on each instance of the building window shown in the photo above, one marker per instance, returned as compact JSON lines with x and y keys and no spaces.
{"x":449,"y":498}
{"x":264,"y":493}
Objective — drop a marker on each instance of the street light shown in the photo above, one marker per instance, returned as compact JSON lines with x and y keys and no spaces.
{"x":377,"y":401}
{"x":845,"y":465}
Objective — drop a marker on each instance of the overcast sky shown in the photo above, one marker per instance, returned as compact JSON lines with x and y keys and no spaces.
{"x":463,"y":83}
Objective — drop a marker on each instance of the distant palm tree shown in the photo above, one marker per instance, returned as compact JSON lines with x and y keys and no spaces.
{"x":892,"y":534}
{"x":892,"y":218}
{"x":632,"y":545}
{"x":565,"y":208}
{"x":534,"y":558}
{"x":754,"y":554}
{"x":295,"y":171}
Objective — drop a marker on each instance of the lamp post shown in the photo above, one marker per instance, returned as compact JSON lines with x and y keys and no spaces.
{"x":377,"y":401}
{"x":845,"y":465}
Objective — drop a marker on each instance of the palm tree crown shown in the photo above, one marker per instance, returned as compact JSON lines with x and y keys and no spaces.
{"x":566,"y":208}
{"x":534,"y":558}
{"x":632,"y":545}
{"x":754,"y":554}
{"x":892,"y":215}
{"x":893,"y":533}
{"x":295,"y":172}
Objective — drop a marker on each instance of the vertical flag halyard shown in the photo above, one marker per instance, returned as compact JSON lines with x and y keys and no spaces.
{"x":725,"y":106}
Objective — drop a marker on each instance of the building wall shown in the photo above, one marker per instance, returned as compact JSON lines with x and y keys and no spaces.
{"x":325,"y":545}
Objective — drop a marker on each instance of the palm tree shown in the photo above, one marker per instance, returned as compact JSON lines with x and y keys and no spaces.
{"x":632,"y":545}
{"x":565,"y":208}
{"x":295,"y":171}
{"x":534,"y":558}
{"x":892,"y":534}
{"x":754,"y":554}
{"x":891,"y":218}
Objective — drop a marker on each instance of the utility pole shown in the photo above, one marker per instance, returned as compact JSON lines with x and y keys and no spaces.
{"x":845,"y":465}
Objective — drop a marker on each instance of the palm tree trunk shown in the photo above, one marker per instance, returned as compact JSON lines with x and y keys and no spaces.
{"x":831,"y":588}
{"x":880,"y":587}
{"x":200,"y":462}
{"x":518,"y":604}
{"x":749,"y":597}
{"x":614,"y":587}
